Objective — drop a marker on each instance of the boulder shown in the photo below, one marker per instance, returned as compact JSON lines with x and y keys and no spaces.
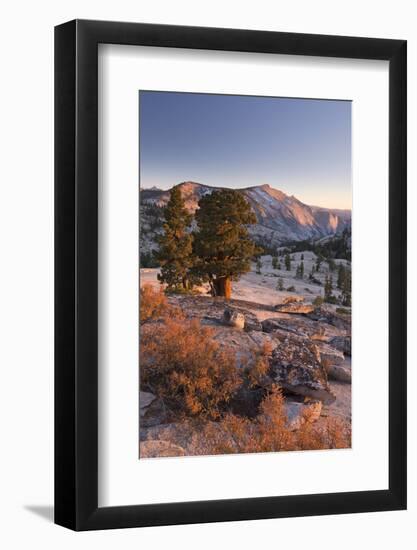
{"x":145,"y":399}
{"x":330,"y":356}
{"x":320,"y":334}
{"x":253,"y":326}
{"x":151,"y":410}
{"x":154,"y":448}
{"x":342,"y":343}
{"x":273,"y":325}
{"x":261,"y":339}
{"x":296,"y":367}
{"x":242,"y":343}
{"x":233,"y":318}
{"x":295,"y":307}
{"x":325,"y":315}
{"x":340,"y":374}
{"x":300,"y":413}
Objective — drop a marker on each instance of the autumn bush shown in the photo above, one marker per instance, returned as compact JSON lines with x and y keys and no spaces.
{"x":181,"y":362}
{"x":152,"y":303}
{"x":268,"y":432}
{"x":199,"y":382}
{"x":257,"y":366}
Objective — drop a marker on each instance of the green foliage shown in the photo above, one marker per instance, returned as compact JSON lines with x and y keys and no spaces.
{"x":347,"y":288}
{"x":148,"y":260}
{"x":332,"y":264}
{"x":275,"y":262}
{"x":280,"y":284}
{"x":287,"y":262}
{"x":344,"y":283}
{"x":300,"y":271}
{"x":151,"y":215}
{"x":175,"y":252}
{"x":338,"y":246}
{"x":342,"y":310}
{"x":318,"y":301}
{"x":222,"y":245}
{"x":328,"y":289}
{"x":341,"y":274}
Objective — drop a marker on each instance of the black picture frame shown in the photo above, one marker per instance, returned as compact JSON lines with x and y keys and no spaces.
{"x":76,"y":272}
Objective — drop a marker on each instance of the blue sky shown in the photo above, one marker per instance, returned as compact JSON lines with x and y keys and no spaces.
{"x":300,"y":146}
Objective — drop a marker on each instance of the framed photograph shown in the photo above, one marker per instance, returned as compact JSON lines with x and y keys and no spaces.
{"x":230,"y":245}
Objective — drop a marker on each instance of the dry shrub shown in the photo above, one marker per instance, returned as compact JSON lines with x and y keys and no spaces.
{"x":257,"y":367}
{"x":182,"y":363}
{"x":332,"y":433}
{"x":152,"y":303}
{"x":269,"y":432}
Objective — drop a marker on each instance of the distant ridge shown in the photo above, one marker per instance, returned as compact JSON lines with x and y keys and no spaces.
{"x":281,"y":218}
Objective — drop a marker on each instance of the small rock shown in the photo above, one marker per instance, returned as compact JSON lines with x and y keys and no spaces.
{"x":145,"y":399}
{"x":330,"y":356}
{"x":340,"y":374}
{"x":233,"y":318}
{"x":342,"y":343}
{"x":274,"y":325}
{"x":262,"y":339}
{"x":255,"y":326}
{"x":151,"y":410}
{"x":338,"y":320}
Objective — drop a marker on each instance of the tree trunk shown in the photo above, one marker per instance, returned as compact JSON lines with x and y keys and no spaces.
{"x":223,"y":287}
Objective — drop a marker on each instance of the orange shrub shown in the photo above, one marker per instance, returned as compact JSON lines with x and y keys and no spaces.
{"x":268,"y":432}
{"x":181,"y":362}
{"x":257,"y":367}
{"x":153,"y":304}
{"x":332,"y":433}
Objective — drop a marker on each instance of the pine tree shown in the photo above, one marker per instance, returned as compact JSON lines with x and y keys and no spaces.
{"x":302,"y":256}
{"x":287,"y":262}
{"x":221,"y":243}
{"x":274,"y":262}
{"x":280,"y":284}
{"x":328,"y":288}
{"x":341,"y":276}
{"x":346,"y":289}
{"x":331,"y":264}
{"x":302,"y":267}
{"x":175,"y":245}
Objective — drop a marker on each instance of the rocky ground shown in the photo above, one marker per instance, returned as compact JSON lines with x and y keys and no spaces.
{"x":309,"y":346}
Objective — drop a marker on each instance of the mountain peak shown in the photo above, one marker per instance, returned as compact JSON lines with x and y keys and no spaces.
{"x":280,"y":217}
